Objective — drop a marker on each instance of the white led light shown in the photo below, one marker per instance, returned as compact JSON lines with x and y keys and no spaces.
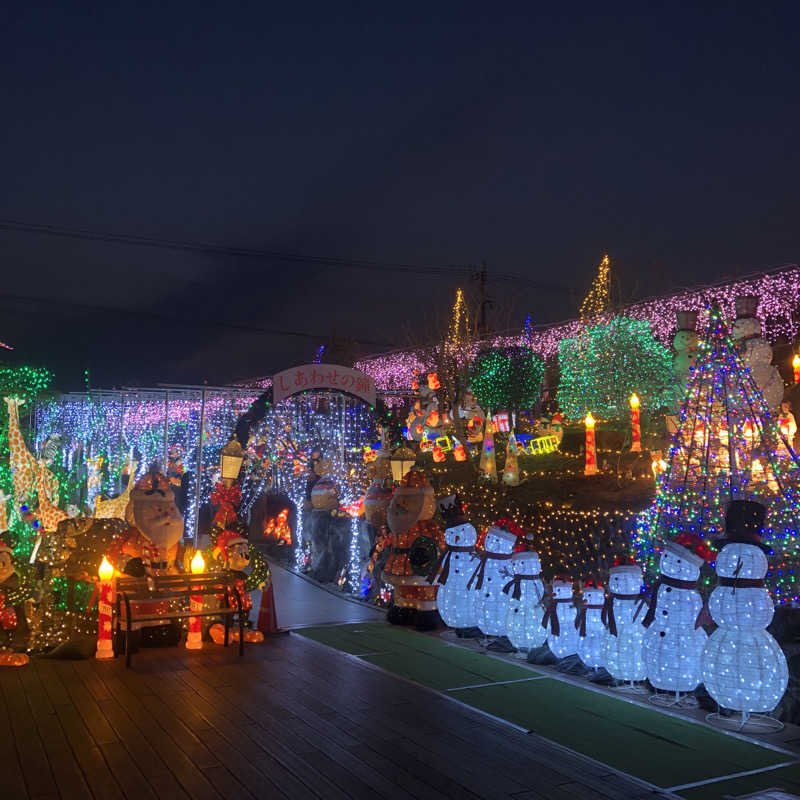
{"x":456,"y":603}
{"x":672,"y":644}
{"x":624,"y":651}
{"x":491,"y":605}
{"x":524,"y":618}
{"x":592,"y":646}
{"x":743,"y":667}
{"x":565,"y":643}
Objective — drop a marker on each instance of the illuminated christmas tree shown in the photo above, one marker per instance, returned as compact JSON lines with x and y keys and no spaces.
{"x":727,"y":447}
{"x":606,"y":363}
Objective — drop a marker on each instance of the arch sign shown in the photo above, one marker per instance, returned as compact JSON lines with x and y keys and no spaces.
{"x":315,"y":377}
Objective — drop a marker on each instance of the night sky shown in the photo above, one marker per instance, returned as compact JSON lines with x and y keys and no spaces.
{"x":533,"y":141}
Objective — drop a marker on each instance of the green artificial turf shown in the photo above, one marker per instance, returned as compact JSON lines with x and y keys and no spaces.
{"x":653,"y":746}
{"x":656,"y":747}
{"x":786,"y":778}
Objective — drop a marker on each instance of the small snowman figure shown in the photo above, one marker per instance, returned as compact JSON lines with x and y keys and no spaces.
{"x":488,"y":579}
{"x":456,"y":604}
{"x":674,"y":640}
{"x":560,"y":617}
{"x":525,"y":591}
{"x":592,"y":633}
{"x":622,"y":615}
{"x":743,"y":667}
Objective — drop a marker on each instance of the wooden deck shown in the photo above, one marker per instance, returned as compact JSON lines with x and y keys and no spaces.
{"x":291,"y":719}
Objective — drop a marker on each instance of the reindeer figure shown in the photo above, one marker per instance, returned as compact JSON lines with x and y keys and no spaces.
{"x":115,"y":507}
{"x":23,"y":463}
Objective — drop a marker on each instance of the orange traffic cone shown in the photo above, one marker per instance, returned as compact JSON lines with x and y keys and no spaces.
{"x":267,"y":616}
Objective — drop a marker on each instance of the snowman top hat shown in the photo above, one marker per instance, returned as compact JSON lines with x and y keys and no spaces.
{"x":744,"y":524}
{"x":690,"y":547}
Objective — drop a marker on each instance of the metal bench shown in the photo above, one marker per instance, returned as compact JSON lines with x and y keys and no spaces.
{"x":177,"y":591}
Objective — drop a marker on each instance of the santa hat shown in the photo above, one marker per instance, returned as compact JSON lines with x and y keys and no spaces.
{"x":508,"y":524}
{"x":625,"y":564}
{"x":153,"y":481}
{"x":593,"y":584}
{"x":227,"y":539}
{"x":562,"y":580}
{"x":692,"y":548}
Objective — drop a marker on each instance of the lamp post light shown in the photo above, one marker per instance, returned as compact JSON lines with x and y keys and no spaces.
{"x":230,"y":462}
{"x":402,"y":460}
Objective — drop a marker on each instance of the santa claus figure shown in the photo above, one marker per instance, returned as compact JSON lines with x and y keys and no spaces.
{"x":151,"y":546}
{"x":152,"y":543}
{"x":416,"y":543}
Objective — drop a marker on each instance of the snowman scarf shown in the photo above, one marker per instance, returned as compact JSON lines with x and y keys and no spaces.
{"x":443,"y":563}
{"x":665,"y":580}
{"x":480,"y":570}
{"x":516,"y":582}
{"x":607,"y":617}
{"x":551,"y":614}
{"x":580,"y":620}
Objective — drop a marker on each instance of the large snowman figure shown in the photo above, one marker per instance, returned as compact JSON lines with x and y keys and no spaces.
{"x":488,"y":579}
{"x":756,"y":351}
{"x":685,"y":343}
{"x":525,"y":590}
{"x":560,"y":618}
{"x":456,"y":603}
{"x":622,"y":613}
{"x":674,"y":642}
{"x":742,"y":666}
{"x":592,"y":632}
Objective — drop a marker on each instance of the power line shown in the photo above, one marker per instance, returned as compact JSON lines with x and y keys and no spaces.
{"x":454,"y":270}
{"x":200,"y":322}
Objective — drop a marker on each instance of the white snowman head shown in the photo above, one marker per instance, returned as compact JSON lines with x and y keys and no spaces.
{"x":499,"y":541}
{"x":685,"y":341}
{"x":745,"y":328}
{"x":752,"y":559}
{"x":680,"y":563}
{"x":526,"y":563}
{"x":625,"y":579}
{"x":593,"y":595}
{"x":461,"y":535}
{"x":562,"y":589}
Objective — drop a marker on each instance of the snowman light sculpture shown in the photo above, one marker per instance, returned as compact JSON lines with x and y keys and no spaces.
{"x":488,"y":579}
{"x":525,"y":591}
{"x":622,"y":614}
{"x":674,"y":640}
{"x":743,"y":667}
{"x":560,"y":617}
{"x":592,"y":633}
{"x":456,"y":603}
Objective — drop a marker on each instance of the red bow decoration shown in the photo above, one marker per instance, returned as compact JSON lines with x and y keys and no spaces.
{"x":228,"y":501}
{"x":8,"y":617}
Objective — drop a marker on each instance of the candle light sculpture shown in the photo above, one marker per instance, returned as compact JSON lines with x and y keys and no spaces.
{"x":105,"y":648}
{"x":194,"y":639}
{"x":591,"y":451}
{"x":636,"y":428}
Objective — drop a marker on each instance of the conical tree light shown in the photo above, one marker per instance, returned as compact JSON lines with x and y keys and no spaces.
{"x":591,"y":450}
{"x":511,"y":469}
{"x":487,"y":468}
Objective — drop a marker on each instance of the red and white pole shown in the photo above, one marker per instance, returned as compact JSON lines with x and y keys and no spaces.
{"x":591,"y":450}
{"x":194,"y":639}
{"x":636,"y":427}
{"x":105,"y":647}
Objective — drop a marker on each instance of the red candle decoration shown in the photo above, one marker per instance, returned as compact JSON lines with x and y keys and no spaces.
{"x":591,"y":451}
{"x":194,"y":639}
{"x":636,"y":428}
{"x":105,"y":603}
{"x":796,"y":368}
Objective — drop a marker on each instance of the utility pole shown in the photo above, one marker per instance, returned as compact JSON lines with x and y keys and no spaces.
{"x":485,"y":302}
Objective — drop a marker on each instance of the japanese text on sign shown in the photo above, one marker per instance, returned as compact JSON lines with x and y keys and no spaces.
{"x":311,"y":377}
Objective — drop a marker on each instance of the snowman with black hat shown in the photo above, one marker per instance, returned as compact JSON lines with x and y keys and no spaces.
{"x":743,"y":667}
